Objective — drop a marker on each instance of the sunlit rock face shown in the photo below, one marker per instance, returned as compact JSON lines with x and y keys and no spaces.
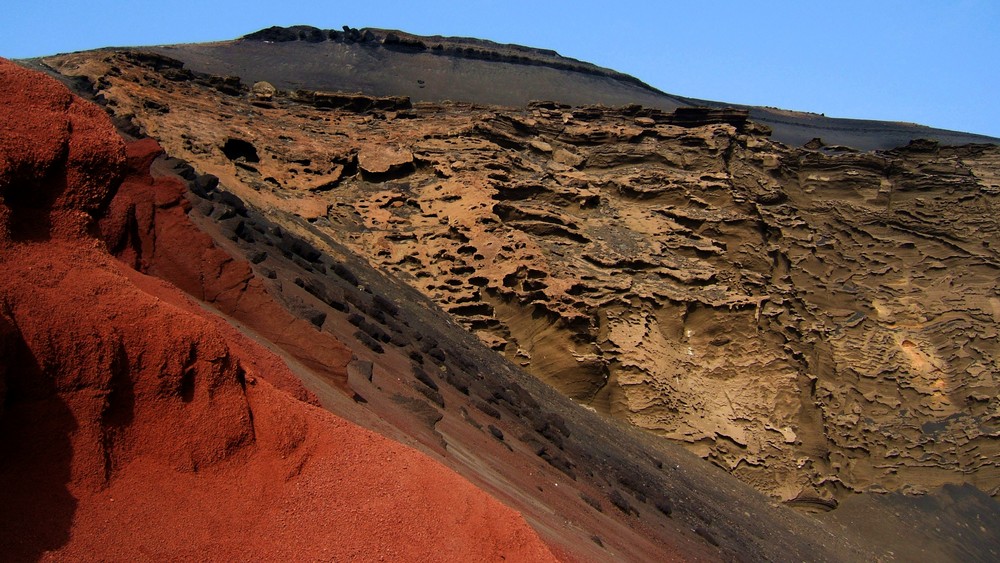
{"x":816,"y":321}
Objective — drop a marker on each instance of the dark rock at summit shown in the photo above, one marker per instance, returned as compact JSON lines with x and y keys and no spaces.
{"x":381,"y":62}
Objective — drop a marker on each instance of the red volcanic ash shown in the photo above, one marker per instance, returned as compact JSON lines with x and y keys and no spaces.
{"x":147,"y":227}
{"x":135,"y":427}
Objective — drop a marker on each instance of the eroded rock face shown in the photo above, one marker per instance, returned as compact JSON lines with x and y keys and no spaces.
{"x":383,"y":160}
{"x":136,"y":425}
{"x":815,"y":321}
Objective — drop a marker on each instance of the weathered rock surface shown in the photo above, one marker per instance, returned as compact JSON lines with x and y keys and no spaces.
{"x":815,"y":321}
{"x":127,"y":402}
{"x":136,"y":425}
{"x":382,"y":160}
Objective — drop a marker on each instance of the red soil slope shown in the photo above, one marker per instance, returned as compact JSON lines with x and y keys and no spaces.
{"x":135,"y":426}
{"x":147,"y":227}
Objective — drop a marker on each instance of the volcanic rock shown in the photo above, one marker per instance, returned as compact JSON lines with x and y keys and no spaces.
{"x":690,"y":275}
{"x":376,"y":159}
{"x":138,"y":425}
{"x":815,"y":321}
{"x":263,"y":90}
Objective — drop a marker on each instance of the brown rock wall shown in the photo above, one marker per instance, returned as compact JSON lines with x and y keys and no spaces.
{"x":815,"y":321}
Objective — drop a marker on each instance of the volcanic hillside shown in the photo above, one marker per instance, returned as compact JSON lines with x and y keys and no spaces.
{"x":819,"y":322}
{"x":816,"y":322}
{"x":380,"y":62}
{"x":125,"y":402}
{"x":152,"y":404}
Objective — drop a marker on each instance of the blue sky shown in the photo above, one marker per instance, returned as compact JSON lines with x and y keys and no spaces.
{"x":930,"y":62}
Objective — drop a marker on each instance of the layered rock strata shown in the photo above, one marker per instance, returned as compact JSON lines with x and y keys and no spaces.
{"x":135,"y":425}
{"x":816,"y":321}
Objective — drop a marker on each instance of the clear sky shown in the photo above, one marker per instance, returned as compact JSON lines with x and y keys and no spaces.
{"x":935,"y":62}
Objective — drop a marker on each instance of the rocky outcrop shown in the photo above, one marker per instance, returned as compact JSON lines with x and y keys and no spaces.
{"x":380,"y":160}
{"x":137,"y":425}
{"x":412,"y":375}
{"x":351,"y":102}
{"x":807,"y":319}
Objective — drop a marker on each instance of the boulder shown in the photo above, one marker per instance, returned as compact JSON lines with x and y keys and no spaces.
{"x":263,"y":91}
